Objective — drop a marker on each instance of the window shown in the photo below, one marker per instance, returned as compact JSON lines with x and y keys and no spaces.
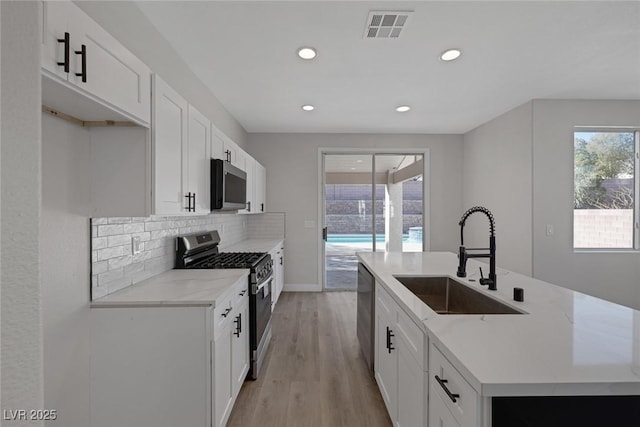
{"x":605,"y":205}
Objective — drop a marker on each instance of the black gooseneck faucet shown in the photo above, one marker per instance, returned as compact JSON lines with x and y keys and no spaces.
{"x":464,"y":255}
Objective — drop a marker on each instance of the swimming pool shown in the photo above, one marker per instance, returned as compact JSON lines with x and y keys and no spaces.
{"x":362,"y":238}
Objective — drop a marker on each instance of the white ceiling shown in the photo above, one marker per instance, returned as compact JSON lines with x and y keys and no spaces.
{"x":513,"y":51}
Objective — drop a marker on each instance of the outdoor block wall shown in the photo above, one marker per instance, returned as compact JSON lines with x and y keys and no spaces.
{"x":603,"y":228}
{"x":349,"y":208}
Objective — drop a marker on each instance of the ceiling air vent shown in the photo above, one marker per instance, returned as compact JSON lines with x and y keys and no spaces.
{"x":386,"y":24}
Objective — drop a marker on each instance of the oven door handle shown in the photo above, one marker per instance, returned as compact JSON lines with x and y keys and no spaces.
{"x":255,"y":289}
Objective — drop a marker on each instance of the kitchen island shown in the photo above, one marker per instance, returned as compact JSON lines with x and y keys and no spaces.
{"x":568,"y":356}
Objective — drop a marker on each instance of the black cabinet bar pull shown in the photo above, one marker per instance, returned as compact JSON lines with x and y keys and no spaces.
{"x":244,"y":291}
{"x":389,"y":343}
{"x":443,"y":383}
{"x":193,"y":207}
{"x":261,"y":207}
{"x":226,"y":312}
{"x":280,"y":260}
{"x":67,"y":43}
{"x":249,"y":206}
{"x":83,"y":52}
{"x":238,"y":322}
{"x":188,"y":197}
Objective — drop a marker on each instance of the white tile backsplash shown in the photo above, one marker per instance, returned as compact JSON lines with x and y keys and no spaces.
{"x":114,"y":267}
{"x":266,"y":226}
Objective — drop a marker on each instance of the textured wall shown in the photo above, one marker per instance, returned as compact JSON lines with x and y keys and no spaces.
{"x":21,"y":350}
{"x":66,"y":206}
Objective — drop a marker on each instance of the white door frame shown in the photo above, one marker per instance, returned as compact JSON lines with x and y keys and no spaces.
{"x":426,"y":195}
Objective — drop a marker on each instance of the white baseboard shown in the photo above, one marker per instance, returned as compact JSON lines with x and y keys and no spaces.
{"x":302,"y":287}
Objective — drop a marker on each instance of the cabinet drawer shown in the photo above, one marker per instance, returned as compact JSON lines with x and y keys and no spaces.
{"x":222,"y":312}
{"x":383,"y":296}
{"x":439,"y":414}
{"x":465,"y":407}
{"x":240,"y":293}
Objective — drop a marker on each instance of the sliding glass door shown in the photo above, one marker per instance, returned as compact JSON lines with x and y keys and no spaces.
{"x":371,"y":202}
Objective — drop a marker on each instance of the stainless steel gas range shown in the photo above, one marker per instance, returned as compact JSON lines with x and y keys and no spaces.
{"x":200,"y":250}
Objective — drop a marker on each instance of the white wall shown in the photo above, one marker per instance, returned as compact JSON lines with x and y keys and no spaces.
{"x":292,"y":187}
{"x":125,"y":21}
{"x":612,"y":276}
{"x":497,"y":174}
{"x":21,"y":348}
{"x":66,"y":197}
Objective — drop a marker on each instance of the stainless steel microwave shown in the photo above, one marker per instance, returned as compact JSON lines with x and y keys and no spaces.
{"x":228,"y":186}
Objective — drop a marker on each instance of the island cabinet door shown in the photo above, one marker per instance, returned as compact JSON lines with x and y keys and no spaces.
{"x":412,"y":400}
{"x":386,"y":353}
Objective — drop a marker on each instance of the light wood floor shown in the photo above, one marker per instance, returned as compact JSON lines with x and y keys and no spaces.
{"x":314,"y":373}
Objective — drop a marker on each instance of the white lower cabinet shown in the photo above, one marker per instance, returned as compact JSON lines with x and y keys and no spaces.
{"x":222,"y":377}
{"x":451,"y":396}
{"x":279,"y":270}
{"x":239,"y":348}
{"x":411,"y":390}
{"x":230,"y":352}
{"x":439,"y":414}
{"x":169,"y":366}
{"x":399,"y":362}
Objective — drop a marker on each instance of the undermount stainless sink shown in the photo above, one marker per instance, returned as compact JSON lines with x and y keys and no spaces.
{"x":447,"y":296}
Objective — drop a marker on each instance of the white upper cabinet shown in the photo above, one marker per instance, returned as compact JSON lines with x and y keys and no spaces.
{"x":235,"y":154}
{"x":77,"y":52}
{"x":57,"y":45}
{"x":170,"y":132}
{"x":249,"y":168}
{"x":181,"y":148}
{"x":217,"y":144}
{"x":197,"y":156}
{"x":260,"y":188}
{"x":225,"y":149}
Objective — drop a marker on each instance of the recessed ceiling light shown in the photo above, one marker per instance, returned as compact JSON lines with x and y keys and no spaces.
{"x":403,"y":109}
{"x":308,"y":107}
{"x":353,"y":169}
{"x":307,"y":53}
{"x":450,"y":54}
{"x":359,"y":160}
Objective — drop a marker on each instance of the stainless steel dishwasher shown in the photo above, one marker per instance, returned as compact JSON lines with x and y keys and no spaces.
{"x":366,"y":314}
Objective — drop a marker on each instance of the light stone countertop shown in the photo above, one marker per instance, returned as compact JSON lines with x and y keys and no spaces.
{"x":187,"y":287}
{"x":253,"y":245}
{"x":177,"y":288}
{"x":568,"y":343}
